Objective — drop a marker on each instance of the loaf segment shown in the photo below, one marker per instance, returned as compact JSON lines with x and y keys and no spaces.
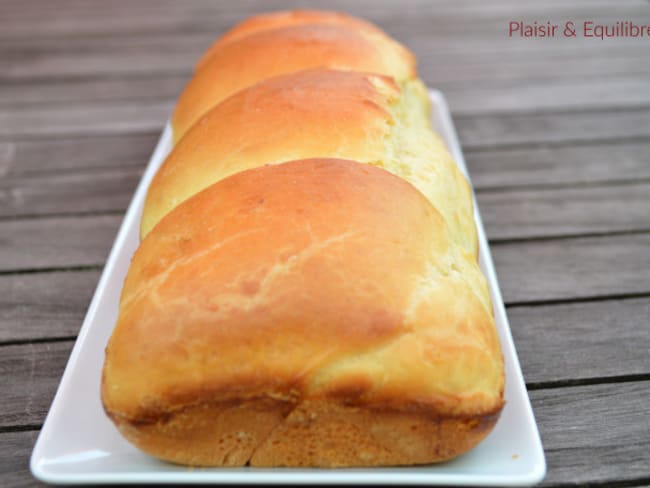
{"x":284,"y":18}
{"x":307,"y":290}
{"x":322,"y":296}
{"x":318,"y":113}
{"x":267,"y":53}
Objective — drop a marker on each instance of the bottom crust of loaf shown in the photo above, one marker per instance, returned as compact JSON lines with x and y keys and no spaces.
{"x":315,"y":433}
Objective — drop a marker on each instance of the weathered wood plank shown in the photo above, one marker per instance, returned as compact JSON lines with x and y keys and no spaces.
{"x":477,"y":55}
{"x":47,"y":156}
{"x":462,"y":59}
{"x":56,"y":242}
{"x":476,"y":131}
{"x":490,"y":130}
{"x":79,"y":18}
{"x":528,"y":271}
{"x":14,"y":462}
{"x":562,"y":165}
{"x":546,"y":94}
{"x":93,"y":89}
{"x":492,"y":168}
{"x":598,"y":334}
{"x":506,"y":214}
{"x":139,"y":19}
{"x":96,"y":191}
{"x":573,"y":268}
{"x":30,"y":374}
{"x":62,"y":58}
{"x":595,"y":433}
{"x":73,"y":18}
{"x":84,"y":119}
{"x":469,"y":66}
{"x":44,"y":305}
{"x":489,"y":169}
{"x":565,"y":211}
{"x":590,"y":88}
{"x":625,"y":90}
{"x":134,"y":38}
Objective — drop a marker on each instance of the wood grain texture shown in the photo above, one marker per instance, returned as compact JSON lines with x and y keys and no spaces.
{"x":597,"y":334}
{"x":466,"y":97}
{"x":595,"y":433}
{"x":476,"y":131}
{"x":569,"y":269}
{"x":487,"y":62}
{"x":150,"y":53}
{"x":92,"y":89}
{"x":565,"y":211}
{"x":472,"y":56}
{"x":627,"y":90}
{"x":57,"y":242}
{"x":84,"y":119}
{"x":31,"y":374}
{"x":512,"y":214}
{"x":591,"y":162}
{"x":14,"y":462}
{"x":464,"y":59}
{"x":73,"y":18}
{"x":559,"y":165}
{"x":61,"y":58}
{"x":79,"y":192}
{"x":56,"y":155}
{"x":619,"y":89}
{"x":44,"y":305}
{"x":546,"y":128}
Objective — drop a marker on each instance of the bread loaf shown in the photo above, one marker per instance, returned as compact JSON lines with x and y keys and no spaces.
{"x":308,"y":313}
{"x":307,"y":289}
{"x":264,"y":53}
{"x":275,"y":20}
{"x":322,"y":113}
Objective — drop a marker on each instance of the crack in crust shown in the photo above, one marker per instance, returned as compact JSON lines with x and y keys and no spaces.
{"x":157,"y":280}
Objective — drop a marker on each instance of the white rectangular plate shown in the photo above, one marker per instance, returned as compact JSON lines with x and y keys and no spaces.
{"x":78,"y":444}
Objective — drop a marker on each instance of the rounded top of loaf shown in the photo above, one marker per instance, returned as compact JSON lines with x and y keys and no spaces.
{"x":315,"y":113}
{"x":255,"y":57}
{"x":275,"y":20}
{"x":318,"y":278}
{"x":364,"y":117}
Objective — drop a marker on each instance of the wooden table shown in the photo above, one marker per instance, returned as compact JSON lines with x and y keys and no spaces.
{"x":556,"y":134}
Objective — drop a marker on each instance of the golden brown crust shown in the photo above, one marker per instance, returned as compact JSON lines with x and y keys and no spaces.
{"x":276,"y":20}
{"x":317,"y":113}
{"x":324,"y":291}
{"x":269,"y":433}
{"x":333,"y":435}
{"x":264,"y":54}
{"x":213,"y":434}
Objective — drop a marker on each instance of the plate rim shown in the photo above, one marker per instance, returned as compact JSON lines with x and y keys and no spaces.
{"x":287,"y":475}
